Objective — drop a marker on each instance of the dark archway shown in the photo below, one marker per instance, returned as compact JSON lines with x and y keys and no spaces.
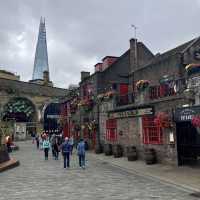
{"x":51,"y":118}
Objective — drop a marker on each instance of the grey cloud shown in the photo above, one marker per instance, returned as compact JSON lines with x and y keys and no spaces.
{"x":80,"y":33}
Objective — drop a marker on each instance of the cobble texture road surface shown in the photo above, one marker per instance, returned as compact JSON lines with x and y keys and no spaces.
{"x":38,"y":179}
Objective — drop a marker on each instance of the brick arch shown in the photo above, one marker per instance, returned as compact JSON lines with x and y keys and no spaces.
{"x":16,"y":105}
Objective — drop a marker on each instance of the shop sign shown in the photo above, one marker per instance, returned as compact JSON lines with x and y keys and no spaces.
{"x":53,"y":116}
{"x":132,"y":113}
{"x":186,"y":114}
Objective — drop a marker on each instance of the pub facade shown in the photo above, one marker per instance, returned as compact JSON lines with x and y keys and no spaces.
{"x":144,"y":100}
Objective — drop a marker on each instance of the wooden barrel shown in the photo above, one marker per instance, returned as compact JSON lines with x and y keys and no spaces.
{"x":86,"y":146}
{"x":131,"y":153}
{"x":150,"y":156}
{"x":117,"y":151}
{"x":98,"y":149}
{"x":108,"y":149}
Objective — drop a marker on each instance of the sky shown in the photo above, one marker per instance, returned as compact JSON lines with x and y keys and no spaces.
{"x":81,"y":32}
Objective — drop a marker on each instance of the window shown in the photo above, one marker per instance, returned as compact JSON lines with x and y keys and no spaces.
{"x":123,"y":91}
{"x":111,"y":130}
{"x":163,"y":90}
{"x":152,"y":132}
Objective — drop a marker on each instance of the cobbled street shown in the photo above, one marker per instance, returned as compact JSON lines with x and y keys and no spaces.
{"x":38,"y":179}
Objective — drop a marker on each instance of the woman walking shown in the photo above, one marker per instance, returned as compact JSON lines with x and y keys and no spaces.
{"x":46,"y":146}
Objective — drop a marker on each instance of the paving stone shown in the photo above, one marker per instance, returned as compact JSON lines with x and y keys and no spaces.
{"x":38,"y":179}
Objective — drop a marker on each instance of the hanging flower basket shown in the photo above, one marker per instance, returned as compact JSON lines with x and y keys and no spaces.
{"x":196,"y":121}
{"x":163,"y":120}
{"x":192,"y":68}
{"x":87,"y":104}
{"x":141,"y":85}
{"x":109,"y":94}
{"x":106,"y":95}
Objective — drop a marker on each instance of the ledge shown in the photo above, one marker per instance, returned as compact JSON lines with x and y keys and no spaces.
{"x":9,"y":164}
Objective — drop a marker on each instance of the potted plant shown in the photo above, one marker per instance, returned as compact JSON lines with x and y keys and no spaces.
{"x":192,"y":68}
{"x":141,"y":85}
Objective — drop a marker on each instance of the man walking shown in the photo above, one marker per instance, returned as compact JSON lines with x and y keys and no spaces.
{"x":81,"y":153}
{"x":66,"y":150}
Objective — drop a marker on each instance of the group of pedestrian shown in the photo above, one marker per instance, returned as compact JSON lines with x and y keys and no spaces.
{"x":67,"y":148}
{"x":56,"y":144}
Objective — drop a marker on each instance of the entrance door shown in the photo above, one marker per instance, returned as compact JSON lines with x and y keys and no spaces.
{"x":188,"y":143}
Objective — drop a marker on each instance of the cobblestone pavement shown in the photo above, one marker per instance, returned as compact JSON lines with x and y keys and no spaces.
{"x":38,"y":179}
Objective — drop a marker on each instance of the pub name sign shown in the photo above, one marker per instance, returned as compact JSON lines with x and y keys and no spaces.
{"x":132,"y":113}
{"x":186,"y":114}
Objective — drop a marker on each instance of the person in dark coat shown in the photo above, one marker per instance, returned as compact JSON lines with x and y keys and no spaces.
{"x":56,"y":149}
{"x":37,"y":141}
{"x":66,"y":151}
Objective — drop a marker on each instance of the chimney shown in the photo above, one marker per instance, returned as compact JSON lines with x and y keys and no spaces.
{"x":46,"y":77}
{"x":84,"y":75}
{"x":107,"y":61}
{"x":133,"y":55}
{"x":98,"y":67}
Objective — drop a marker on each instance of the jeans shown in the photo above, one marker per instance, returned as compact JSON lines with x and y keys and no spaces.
{"x":81,"y":160}
{"x":46,"y":152}
{"x":66,"y":158}
{"x":56,"y":154}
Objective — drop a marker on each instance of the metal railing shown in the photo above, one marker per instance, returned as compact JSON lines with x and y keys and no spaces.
{"x":122,"y":100}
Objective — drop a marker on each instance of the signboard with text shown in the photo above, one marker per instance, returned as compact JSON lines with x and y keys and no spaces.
{"x":132,"y":113}
{"x":186,"y":114}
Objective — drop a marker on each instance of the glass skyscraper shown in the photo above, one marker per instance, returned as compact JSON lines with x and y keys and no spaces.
{"x":41,"y":55}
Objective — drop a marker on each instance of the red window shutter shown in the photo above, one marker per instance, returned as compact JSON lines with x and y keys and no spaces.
{"x":123,"y":89}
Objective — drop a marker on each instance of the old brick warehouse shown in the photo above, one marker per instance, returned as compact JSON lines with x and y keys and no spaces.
{"x":141,"y":100}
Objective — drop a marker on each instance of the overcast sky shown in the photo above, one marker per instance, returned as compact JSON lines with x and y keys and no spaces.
{"x":81,"y":32}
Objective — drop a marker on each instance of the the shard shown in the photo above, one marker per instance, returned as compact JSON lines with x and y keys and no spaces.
{"x":41,"y":55}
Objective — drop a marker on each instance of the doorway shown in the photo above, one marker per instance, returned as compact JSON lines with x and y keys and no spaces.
{"x":188,"y":144}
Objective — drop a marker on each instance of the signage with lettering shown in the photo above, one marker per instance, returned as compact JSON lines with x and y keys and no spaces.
{"x":186,"y":114}
{"x":132,"y":113}
{"x":53,"y":116}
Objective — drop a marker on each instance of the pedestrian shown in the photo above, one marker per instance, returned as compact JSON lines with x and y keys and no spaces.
{"x":8,"y":144}
{"x":71,"y":141}
{"x":52,"y":140}
{"x":41,"y":142}
{"x":33,"y":137}
{"x":56,"y":149}
{"x":46,"y":146}
{"x":66,"y":150}
{"x":81,"y":153}
{"x":37,"y":141}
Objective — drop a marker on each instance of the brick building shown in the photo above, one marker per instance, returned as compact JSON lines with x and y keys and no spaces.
{"x":144,"y":100}
{"x":160,"y":92}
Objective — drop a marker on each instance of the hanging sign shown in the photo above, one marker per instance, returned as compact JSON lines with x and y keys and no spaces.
{"x":186,"y":114}
{"x":132,"y":113}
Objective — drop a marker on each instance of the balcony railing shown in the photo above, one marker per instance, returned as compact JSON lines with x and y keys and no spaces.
{"x":122,"y":100}
{"x":168,"y":89}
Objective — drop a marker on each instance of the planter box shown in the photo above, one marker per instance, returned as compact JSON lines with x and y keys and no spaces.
{"x":4,"y":156}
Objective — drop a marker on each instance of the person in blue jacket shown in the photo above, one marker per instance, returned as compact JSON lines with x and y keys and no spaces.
{"x":81,"y":153}
{"x":66,"y":151}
